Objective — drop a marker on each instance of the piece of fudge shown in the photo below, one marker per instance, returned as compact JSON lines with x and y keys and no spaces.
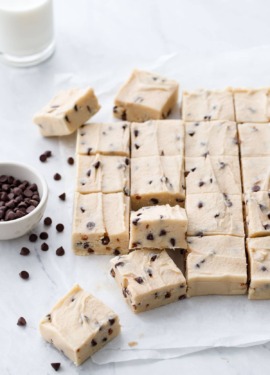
{"x":66,"y":112}
{"x":104,"y":138}
{"x":160,"y":227}
{"x":160,"y":137}
{"x":100,"y":224}
{"x":157,"y":180}
{"x":252,"y":105}
{"x":145,"y":96}
{"x":254,"y":139}
{"x":208,"y":105}
{"x":258,"y":213}
{"x":101,"y":173}
{"x":213,"y":174}
{"x":79,"y":325}
{"x":214,"y":214}
{"x":216,"y":265}
{"x":258,"y":250}
{"x":256,"y":174}
{"x":211,"y":138}
{"x":148,"y":279}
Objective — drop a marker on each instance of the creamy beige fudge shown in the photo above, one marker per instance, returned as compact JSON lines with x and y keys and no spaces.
{"x":256,"y":174}
{"x":254,"y":139}
{"x":160,"y":227}
{"x":208,"y":105}
{"x":104,"y":138}
{"x":102,"y":173}
{"x":66,"y":112}
{"x":213,"y":174}
{"x":157,"y":137}
{"x":258,"y":213}
{"x":145,"y":96}
{"x":148,"y":279}
{"x":157,"y":180}
{"x":216,"y":265}
{"x":100,"y":224}
{"x":252,"y":105}
{"x":79,"y":325}
{"x":214,"y":214}
{"x":213,"y":138}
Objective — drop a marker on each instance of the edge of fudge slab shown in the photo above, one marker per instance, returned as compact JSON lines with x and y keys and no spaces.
{"x":257,"y":208}
{"x":252,"y":105}
{"x":79,"y":325}
{"x":66,"y":112}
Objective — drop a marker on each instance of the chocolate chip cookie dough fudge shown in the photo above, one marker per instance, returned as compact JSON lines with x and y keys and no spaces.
{"x":252,"y":105}
{"x":148,"y":279}
{"x":256,"y":173}
{"x":79,"y":325}
{"x":145,"y":96}
{"x":257,"y":207}
{"x":66,"y":112}
{"x":254,"y":139}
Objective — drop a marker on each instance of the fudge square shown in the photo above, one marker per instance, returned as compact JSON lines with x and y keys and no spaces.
{"x":157,"y":137}
{"x":160,"y":227}
{"x":66,"y":112}
{"x":258,"y":213}
{"x":79,"y":325}
{"x":252,"y":105}
{"x":157,"y":180}
{"x":216,"y":265}
{"x":145,"y":96}
{"x":259,"y":267}
{"x":211,"y":138}
{"x":256,"y":173}
{"x":101,"y":173}
{"x":254,"y":139}
{"x":104,"y":138}
{"x":148,"y":279}
{"x":100,"y":224}
{"x":208,"y":105}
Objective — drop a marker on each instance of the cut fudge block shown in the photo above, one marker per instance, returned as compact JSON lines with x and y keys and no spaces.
{"x":145,"y":96}
{"x":99,"y":173}
{"x":148,"y":279}
{"x":258,"y":214}
{"x":79,"y":325}
{"x":160,"y":227}
{"x":259,"y":267}
{"x":213,"y":174}
{"x":100,"y":224}
{"x":157,"y":180}
{"x":256,"y":174}
{"x":208,"y":105}
{"x":105,"y":139}
{"x":66,"y":112}
{"x":214,"y":214}
{"x":254,"y":139}
{"x":252,"y":105}
{"x":154,"y":138}
{"x":213,"y":138}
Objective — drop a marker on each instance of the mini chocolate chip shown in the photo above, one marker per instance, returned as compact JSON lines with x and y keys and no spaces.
{"x":216,"y":215}
{"x":119,"y":264}
{"x":43,"y":158}
{"x":183,"y":296}
{"x":67,"y":119}
{"x":199,"y":234}
{"x":136,"y":146}
{"x":93,"y":342}
{"x":90,"y":225}
{"x":33,"y":237}
{"x":256,"y":188}
{"x":116,"y":252}
{"x":104,"y":339}
{"x":112,"y":321}
{"x":82,"y":209}
{"x":24,"y":275}
{"x":139,"y":280}
{"x":24,"y":251}
{"x":150,"y":237}
{"x":21,"y":322}
{"x":150,"y":273}
{"x":127,"y":161}
{"x":153,"y":258}
{"x":163,"y":232}
{"x":191,"y":134}
{"x":136,"y":133}
{"x":112,"y":272}
{"x":43,"y":235}
{"x":200,"y":205}
{"x":56,"y":366}
{"x":57,"y":177}
{"x":167,"y":295}
{"x":263,"y":268}
{"x":154,"y":200}
{"x":89,"y":109}
{"x":89,"y":151}
{"x":62,"y":196}
{"x":44,"y":247}
{"x":186,"y":173}
{"x":48,"y":153}
{"x":97,"y":164}
{"x":47,"y":221}
{"x":266,"y":226}
{"x":135,"y":221}
{"x":105,"y":240}
{"x":201,"y":183}
{"x":60,"y":227}
{"x":76,"y":107}
{"x":70,"y":161}
{"x":60,"y":251}
{"x":172,"y":241}
{"x":110,"y":331}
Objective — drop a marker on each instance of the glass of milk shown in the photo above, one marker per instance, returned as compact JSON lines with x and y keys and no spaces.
{"x":26,"y":31}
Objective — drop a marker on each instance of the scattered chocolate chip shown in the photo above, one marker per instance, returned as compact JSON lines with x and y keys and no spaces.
{"x":172,"y":241}
{"x":97,"y":164}
{"x":116,"y":252}
{"x":93,"y":342}
{"x":105,"y":240}
{"x":60,"y":251}
{"x":24,"y":275}
{"x":216,"y":216}
{"x":89,"y":151}
{"x":154,"y":200}
{"x":150,"y":237}
{"x":43,"y":158}
{"x":47,"y":221}
{"x":43,"y":235}
{"x":76,"y":107}
{"x":162,"y":232}
{"x":67,"y":119}
{"x":186,"y":173}
{"x":119,"y":264}
{"x":149,"y":272}
{"x":104,"y":339}
{"x":168,"y":295}
{"x":153,"y":258}
{"x":136,"y":133}
{"x":57,"y":177}
{"x":82,"y":209}
{"x":135,"y":221}
{"x":60,"y":227}
{"x":112,"y":321}
{"x":56,"y":366}
{"x":200,"y":204}
{"x":21,"y":322}
{"x":201,"y":183}
{"x":48,"y":153}
{"x":256,"y":188}
{"x":266,"y":226}
{"x":127,"y":161}
{"x":112,"y":272}
{"x":90,"y":225}
{"x":139,"y":280}
{"x":136,"y":146}
{"x":263,"y":268}
{"x":24,"y":251}
{"x":191,"y":134}
{"x":62,"y":196}
{"x":33,"y":237}
{"x":44,"y":247}
{"x":199,"y":234}
{"x":110,"y":331}
{"x":70,"y":161}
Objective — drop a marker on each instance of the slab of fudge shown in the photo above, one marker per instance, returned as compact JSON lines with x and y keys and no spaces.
{"x":66,"y":112}
{"x":157,"y":180}
{"x":145,"y":96}
{"x":214,"y":214}
{"x":154,"y":138}
{"x":254,"y":139}
{"x":256,"y":174}
{"x":208,"y":105}
{"x":148,"y":279}
{"x":213,"y":138}
{"x":159,"y":227}
{"x":257,"y":207}
{"x":101,"y":173}
{"x":213,"y":174}
{"x":252,"y":105}
{"x":100,"y":224}
{"x":104,"y":138}
{"x":79,"y":325}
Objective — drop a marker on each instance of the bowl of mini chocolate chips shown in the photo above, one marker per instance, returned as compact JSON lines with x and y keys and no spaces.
{"x":23,"y":199}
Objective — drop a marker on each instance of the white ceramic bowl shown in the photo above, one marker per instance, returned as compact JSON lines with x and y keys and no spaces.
{"x":18,"y":227}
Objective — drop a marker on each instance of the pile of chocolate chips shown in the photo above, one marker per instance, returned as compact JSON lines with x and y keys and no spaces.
{"x":17,"y":198}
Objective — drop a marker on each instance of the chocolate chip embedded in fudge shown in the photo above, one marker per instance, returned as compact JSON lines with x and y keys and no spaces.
{"x":252,"y":105}
{"x":79,"y":325}
{"x":258,"y":213}
{"x":66,"y":112}
{"x":145,"y":96}
{"x":254,"y":139}
{"x":148,"y":279}
{"x":256,"y":173}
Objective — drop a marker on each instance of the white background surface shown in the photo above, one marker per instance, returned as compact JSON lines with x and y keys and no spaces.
{"x":201,"y":44}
